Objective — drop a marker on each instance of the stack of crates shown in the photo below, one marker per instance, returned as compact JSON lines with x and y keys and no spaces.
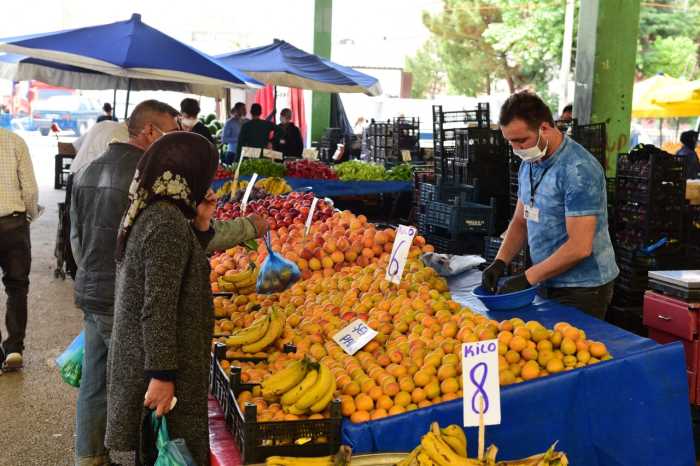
{"x":387,"y":141}
{"x":593,"y":137}
{"x":648,"y":225}
{"x":329,"y":143}
{"x":446,"y":127}
{"x":380,"y":142}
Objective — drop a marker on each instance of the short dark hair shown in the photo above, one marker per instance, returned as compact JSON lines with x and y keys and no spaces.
{"x":107,"y":107}
{"x":568,"y":108}
{"x":528,"y":107}
{"x":255,"y":110}
{"x":689,"y":138}
{"x":238,"y":106}
{"x":144,"y":111}
{"x":189,"y":106}
{"x":286,"y":113}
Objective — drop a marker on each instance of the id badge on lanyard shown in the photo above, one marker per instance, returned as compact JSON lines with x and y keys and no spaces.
{"x":531,"y":212}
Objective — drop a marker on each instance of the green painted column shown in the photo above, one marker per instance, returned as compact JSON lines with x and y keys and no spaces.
{"x":321,"y":101}
{"x":606,"y":51}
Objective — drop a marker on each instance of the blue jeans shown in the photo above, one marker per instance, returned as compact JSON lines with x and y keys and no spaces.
{"x":91,"y":418}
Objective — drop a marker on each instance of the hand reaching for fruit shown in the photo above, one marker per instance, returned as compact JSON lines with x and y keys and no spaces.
{"x":260,"y":224}
{"x":205,"y":211}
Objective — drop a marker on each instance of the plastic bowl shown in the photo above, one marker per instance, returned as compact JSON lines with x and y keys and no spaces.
{"x":505,"y":302}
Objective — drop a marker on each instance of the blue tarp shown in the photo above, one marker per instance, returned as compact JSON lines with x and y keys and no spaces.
{"x":280,"y":63}
{"x":632,"y":410}
{"x":331,"y":188}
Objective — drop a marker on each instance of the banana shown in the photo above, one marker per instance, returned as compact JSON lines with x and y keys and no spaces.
{"x":252,"y":334}
{"x":238,"y":277}
{"x":441,"y":453}
{"x":425,"y":460}
{"x":294,"y":461}
{"x":274,"y":330}
{"x":411,"y":459}
{"x":284,"y":380}
{"x":291,"y":409}
{"x":299,"y":389}
{"x":322,"y":403}
{"x":453,"y":435}
{"x":319,"y":389}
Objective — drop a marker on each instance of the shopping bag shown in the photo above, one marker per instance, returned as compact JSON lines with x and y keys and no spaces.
{"x":70,"y":363}
{"x":276,"y":272}
{"x":169,"y":452}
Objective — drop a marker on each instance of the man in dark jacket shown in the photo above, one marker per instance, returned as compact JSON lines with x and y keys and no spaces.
{"x":256,"y":132}
{"x":99,"y":198}
{"x":692,"y":165}
{"x":189,"y":108}
{"x":288,"y":137}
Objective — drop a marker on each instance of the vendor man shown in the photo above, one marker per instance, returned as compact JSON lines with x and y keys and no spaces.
{"x":561,"y":213}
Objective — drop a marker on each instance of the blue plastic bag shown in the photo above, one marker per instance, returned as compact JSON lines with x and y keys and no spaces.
{"x":70,"y":362}
{"x":276,"y":273}
{"x":170,"y":452}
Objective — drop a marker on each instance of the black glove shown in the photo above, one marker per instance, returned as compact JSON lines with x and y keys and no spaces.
{"x":489,"y":279}
{"x":517,"y":283}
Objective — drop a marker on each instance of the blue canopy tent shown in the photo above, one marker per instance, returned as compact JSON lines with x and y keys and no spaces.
{"x":282,"y":64}
{"x":121,"y":55}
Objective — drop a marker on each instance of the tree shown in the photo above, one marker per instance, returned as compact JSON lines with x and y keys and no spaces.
{"x":675,"y":56}
{"x":483,"y":40}
{"x":668,"y":34}
{"x":426,"y":67}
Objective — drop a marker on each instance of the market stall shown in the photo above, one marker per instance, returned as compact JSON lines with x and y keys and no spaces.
{"x":333,"y":188}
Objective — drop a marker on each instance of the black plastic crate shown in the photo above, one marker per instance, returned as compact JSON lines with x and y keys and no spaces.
{"x":594,"y":138}
{"x":259,"y":440}
{"x":461,"y":217}
{"x":459,"y":245}
{"x":627,"y":317}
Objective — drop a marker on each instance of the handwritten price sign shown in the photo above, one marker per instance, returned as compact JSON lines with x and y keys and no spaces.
{"x":480,"y":381}
{"x":353,"y":337}
{"x":399,"y":253}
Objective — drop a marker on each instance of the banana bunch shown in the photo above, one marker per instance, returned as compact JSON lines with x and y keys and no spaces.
{"x":448,"y":446}
{"x":239,"y":282}
{"x":304,"y":387}
{"x":260,"y":334}
{"x":299,"y":461}
{"x":274,"y":185}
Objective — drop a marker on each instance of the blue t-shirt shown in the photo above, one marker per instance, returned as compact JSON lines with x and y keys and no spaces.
{"x":572,"y":185}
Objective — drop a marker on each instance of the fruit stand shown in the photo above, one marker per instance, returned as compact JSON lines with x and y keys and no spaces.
{"x":607,"y":396}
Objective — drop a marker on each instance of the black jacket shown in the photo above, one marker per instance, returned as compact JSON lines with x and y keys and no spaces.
{"x":288,"y":140}
{"x":692,"y":165}
{"x":254,"y":133}
{"x":99,"y":198}
{"x":201,"y":129}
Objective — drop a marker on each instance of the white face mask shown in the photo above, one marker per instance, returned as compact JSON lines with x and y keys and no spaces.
{"x":533,"y":153}
{"x":189,"y":122}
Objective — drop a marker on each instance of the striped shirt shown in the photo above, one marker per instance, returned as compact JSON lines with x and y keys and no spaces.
{"x":18,"y":188}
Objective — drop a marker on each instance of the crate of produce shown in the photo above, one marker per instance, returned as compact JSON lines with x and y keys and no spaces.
{"x":257,"y":440}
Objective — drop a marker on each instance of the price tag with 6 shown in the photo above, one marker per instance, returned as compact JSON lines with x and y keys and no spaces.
{"x":353,"y":337}
{"x":246,"y":195}
{"x":482,"y":392}
{"x":399,"y":253}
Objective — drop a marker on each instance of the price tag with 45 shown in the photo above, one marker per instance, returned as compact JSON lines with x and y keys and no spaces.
{"x":399,"y":253}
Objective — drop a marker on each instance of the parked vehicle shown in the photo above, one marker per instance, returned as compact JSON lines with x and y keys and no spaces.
{"x":69,"y":112}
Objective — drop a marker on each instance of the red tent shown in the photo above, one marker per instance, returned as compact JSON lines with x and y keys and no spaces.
{"x":296,"y":104}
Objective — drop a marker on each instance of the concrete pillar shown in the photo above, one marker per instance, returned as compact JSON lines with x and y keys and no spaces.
{"x":606,"y":51}
{"x":321,"y":101}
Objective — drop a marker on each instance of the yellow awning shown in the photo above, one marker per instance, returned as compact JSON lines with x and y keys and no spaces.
{"x":666,"y":97}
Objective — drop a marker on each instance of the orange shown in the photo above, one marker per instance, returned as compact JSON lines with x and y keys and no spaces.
{"x":530,"y":370}
{"x":378,"y":414}
{"x":523,"y":332}
{"x":385,"y":402}
{"x":352,"y":388}
{"x":418,"y":395}
{"x":347,"y":405}
{"x":360,"y":416}
{"x":394,"y":410}
{"x":529,"y":354}
{"x":555,"y":365}
{"x":449,"y":386}
{"x":421,"y":378}
{"x":597,"y":349}
{"x":364,"y":402}
{"x":517,"y":343}
{"x":402,"y":399}
{"x":512,"y":356}
{"x":375,"y":393}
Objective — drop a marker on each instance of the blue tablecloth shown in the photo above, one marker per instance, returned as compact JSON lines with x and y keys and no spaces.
{"x":331,"y":188}
{"x":632,"y":410}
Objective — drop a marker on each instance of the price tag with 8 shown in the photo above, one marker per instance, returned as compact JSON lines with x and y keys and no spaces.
{"x":480,"y":382}
{"x":353,"y":337}
{"x":399,"y":253}
{"x":246,"y":195}
{"x":310,"y":217}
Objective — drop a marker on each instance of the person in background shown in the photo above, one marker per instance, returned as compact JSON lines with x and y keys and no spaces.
{"x":255,"y":132}
{"x":163,"y":312}
{"x":692,"y":164}
{"x":189,"y":108}
{"x":108,"y":114}
{"x":288,"y":138}
{"x":19,"y":196}
{"x":567,"y":114}
{"x":92,"y":144}
{"x":561,"y":213}
{"x":232,"y":129}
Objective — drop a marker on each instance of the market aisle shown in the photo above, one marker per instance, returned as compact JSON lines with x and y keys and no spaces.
{"x":37,"y":410}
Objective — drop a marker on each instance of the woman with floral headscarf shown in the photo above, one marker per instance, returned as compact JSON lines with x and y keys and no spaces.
{"x":163,"y":305}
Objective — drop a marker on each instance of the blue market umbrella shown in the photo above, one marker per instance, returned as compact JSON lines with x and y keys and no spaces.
{"x":282,"y":64}
{"x":137,"y":55}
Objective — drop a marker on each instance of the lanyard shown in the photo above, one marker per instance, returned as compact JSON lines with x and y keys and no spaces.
{"x":533,"y":189}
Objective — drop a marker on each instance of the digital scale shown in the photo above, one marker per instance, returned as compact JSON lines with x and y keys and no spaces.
{"x":681,"y":284}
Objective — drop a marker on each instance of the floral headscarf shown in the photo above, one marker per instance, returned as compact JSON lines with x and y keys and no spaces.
{"x":179,"y":168}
